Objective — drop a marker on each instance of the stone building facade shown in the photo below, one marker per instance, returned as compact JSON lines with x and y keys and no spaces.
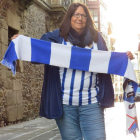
{"x":20,"y":94}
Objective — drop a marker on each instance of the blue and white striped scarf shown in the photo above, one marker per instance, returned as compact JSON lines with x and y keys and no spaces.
{"x":34,"y":50}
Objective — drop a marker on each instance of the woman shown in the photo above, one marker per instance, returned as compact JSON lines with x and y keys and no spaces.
{"x":76,"y":99}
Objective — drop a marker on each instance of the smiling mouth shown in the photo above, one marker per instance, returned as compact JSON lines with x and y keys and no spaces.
{"x":79,"y":23}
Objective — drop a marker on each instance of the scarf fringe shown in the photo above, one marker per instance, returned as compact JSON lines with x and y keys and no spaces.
{"x":132,"y":131}
{"x":11,"y":66}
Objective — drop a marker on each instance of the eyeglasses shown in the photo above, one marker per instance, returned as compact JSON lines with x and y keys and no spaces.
{"x":82,"y":16}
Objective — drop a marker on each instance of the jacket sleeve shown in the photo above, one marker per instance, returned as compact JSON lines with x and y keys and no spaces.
{"x":106,"y":93}
{"x":45,"y":37}
{"x":53,"y":36}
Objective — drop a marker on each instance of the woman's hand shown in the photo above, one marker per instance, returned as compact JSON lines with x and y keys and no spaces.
{"x":130,"y":55}
{"x":14,"y":37}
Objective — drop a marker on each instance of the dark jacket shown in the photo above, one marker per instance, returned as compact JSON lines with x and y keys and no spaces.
{"x":51,"y":98}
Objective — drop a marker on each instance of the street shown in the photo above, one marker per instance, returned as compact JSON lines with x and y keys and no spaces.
{"x":44,"y":129}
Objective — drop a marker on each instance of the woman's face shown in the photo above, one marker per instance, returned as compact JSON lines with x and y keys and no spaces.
{"x":78,"y":23}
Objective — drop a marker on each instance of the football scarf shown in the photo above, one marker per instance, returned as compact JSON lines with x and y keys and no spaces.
{"x":34,"y":50}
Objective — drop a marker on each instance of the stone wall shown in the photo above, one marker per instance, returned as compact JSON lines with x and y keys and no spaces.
{"x":4,"y":81}
{"x":20,"y":94}
{"x":34,"y":25}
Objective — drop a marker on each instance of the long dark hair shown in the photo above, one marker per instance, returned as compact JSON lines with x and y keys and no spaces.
{"x":66,"y":23}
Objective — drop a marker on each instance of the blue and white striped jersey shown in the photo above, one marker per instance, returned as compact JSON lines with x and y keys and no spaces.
{"x":78,"y":87}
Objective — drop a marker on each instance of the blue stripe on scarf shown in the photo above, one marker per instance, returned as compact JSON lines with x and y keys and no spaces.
{"x":11,"y":53}
{"x":41,"y":51}
{"x":81,"y":87}
{"x":10,"y":60}
{"x":80,"y":58}
{"x":135,"y":85}
{"x":130,"y":99}
{"x":116,"y":60}
{"x":71,"y":87}
{"x":134,"y":126}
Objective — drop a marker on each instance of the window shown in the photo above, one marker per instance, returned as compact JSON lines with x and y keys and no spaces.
{"x":116,"y":87}
{"x":12,"y":32}
{"x":115,"y":77}
{"x":94,"y":15}
{"x":121,"y":78}
{"x":96,"y":24}
{"x":121,"y":87}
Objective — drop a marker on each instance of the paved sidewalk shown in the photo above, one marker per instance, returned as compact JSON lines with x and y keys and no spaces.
{"x":45,"y":129}
{"x":30,"y":130}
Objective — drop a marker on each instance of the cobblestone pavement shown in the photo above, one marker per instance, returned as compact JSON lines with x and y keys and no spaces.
{"x":44,"y":129}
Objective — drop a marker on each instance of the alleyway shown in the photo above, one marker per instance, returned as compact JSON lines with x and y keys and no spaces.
{"x":43,"y":129}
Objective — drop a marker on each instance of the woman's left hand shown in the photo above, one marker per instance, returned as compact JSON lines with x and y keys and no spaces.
{"x":130,"y":55}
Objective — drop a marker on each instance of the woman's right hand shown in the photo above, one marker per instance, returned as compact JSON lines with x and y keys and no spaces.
{"x":14,"y":37}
